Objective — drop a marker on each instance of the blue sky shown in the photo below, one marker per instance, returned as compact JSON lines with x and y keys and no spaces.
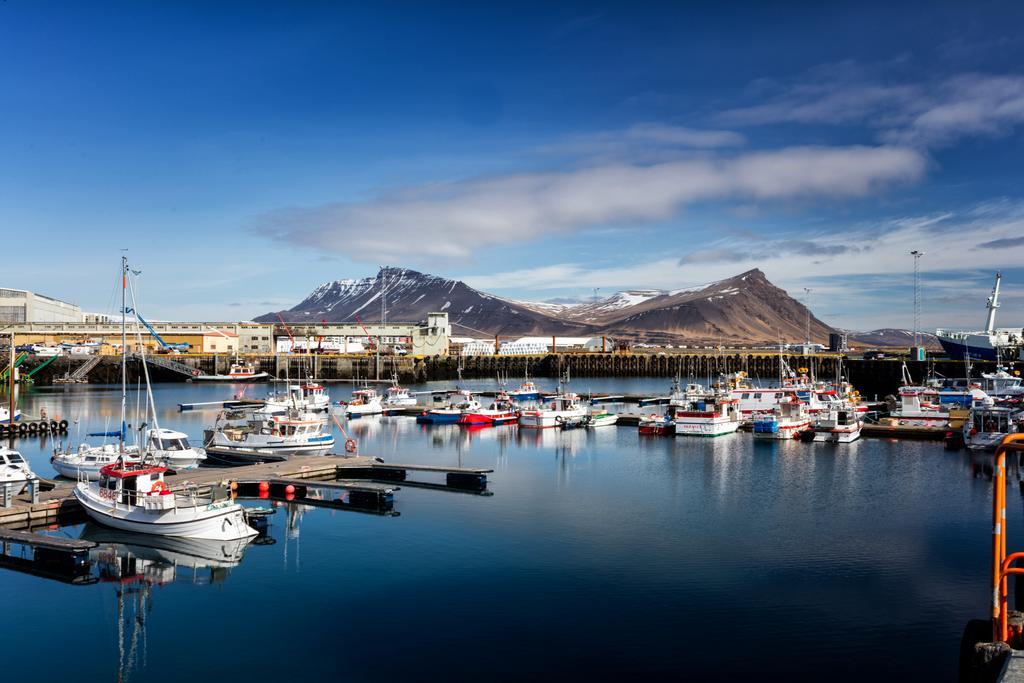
{"x":245,"y":152}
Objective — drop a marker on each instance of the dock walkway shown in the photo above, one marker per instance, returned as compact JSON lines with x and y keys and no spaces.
{"x":353,"y":472}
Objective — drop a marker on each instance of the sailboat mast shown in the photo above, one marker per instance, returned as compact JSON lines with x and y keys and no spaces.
{"x":124,"y":351}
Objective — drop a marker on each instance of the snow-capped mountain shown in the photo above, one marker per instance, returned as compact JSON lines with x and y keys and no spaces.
{"x":410,"y":295}
{"x":742,"y":309}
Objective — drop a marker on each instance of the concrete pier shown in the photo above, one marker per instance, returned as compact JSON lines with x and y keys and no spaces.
{"x":871,"y":377}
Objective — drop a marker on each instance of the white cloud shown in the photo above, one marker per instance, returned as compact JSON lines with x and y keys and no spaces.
{"x":923,"y":113}
{"x":853,"y":271}
{"x":450,"y":222}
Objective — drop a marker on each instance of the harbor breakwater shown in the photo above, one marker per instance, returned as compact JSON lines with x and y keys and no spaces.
{"x":871,"y":377}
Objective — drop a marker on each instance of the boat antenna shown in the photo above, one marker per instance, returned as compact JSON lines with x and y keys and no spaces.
{"x":124,"y":353}
{"x":151,"y":404}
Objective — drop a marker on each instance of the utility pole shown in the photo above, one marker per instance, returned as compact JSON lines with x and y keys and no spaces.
{"x":917,"y":296}
{"x":596,"y":290}
{"x":807,"y":305}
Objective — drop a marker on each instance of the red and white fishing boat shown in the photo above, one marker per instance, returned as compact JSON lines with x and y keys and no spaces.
{"x":502,"y":411}
{"x":713,"y":416}
{"x":657,"y":425}
{"x":135,"y":497}
{"x":239,"y":372}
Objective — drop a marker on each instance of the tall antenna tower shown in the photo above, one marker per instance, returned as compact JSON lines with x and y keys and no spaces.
{"x":807,"y":305}
{"x":917,"y":296}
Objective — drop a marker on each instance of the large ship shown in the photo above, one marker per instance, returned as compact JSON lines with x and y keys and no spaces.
{"x":988,"y":344}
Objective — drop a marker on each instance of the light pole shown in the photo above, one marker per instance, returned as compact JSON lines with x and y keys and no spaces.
{"x":807,"y":305}
{"x":917,"y":296}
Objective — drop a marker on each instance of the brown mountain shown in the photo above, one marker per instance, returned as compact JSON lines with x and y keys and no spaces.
{"x":743,"y":309}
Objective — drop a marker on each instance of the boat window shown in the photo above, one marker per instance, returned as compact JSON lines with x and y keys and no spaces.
{"x":757,"y":396}
{"x":15,"y":456}
{"x":746,"y":394}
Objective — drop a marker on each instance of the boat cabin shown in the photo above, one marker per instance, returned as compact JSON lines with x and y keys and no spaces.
{"x":136,"y":485}
{"x":168,"y":440}
{"x":995,"y":420}
{"x":363,"y":396}
{"x":11,"y":460}
{"x":242,"y":370}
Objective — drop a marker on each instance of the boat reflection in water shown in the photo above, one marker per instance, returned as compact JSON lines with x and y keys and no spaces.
{"x":135,"y":563}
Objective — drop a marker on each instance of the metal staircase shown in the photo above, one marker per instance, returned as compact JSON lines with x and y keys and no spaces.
{"x":168,"y":364}
{"x":84,"y":369}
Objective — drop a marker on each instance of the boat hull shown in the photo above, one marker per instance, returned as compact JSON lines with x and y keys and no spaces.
{"x":220,"y":521}
{"x":976,"y":346}
{"x":438,"y":418}
{"x":228,"y":378}
{"x":706,"y":428}
{"x":779,"y":431}
{"x":544,"y":419}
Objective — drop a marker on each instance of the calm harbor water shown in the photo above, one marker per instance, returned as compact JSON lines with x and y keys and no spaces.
{"x":600,"y":555}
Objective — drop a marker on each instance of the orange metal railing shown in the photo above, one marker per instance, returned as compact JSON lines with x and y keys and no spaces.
{"x":1001,"y":562}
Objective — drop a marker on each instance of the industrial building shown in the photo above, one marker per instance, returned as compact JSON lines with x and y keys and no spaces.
{"x":427,"y":338}
{"x":23,"y":306}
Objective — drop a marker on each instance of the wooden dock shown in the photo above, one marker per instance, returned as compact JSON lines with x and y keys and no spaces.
{"x":354,"y":472}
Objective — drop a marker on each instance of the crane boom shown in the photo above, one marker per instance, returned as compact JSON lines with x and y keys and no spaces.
{"x":160,"y":340}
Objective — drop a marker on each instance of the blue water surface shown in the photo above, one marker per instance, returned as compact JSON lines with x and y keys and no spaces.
{"x":600,"y":555}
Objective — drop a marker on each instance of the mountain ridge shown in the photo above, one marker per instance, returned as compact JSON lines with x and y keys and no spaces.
{"x":746,"y":308}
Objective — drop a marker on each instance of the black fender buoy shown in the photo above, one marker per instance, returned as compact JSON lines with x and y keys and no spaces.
{"x":54,"y":426}
{"x":22,"y":429}
{"x":63,"y":425}
{"x":32,"y":427}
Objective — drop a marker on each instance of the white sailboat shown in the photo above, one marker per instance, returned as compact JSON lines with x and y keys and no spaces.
{"x":133,"y":496}
{"x":164,"y":447}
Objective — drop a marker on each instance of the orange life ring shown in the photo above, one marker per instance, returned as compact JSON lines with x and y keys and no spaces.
{"x":350,"y":445}
{"x":158,"y":487}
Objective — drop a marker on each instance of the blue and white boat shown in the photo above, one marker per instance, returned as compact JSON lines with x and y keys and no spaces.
{"x":987,"y":344}
{"x":527,"y":391}
{"x":453,"y":412}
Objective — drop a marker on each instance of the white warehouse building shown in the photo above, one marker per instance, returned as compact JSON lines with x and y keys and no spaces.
{"x":23,"y":306}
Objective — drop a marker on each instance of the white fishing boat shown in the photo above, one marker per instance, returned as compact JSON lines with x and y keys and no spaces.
{"x":566,"y":406}
{"x":135,"y":497}
{"x":239,"y":372}
{"x":364,"y":402}
{"x":682,"y":397}
{"x":14,"y":470}
{"x":920,"y":407}
{"x":987,"y":425}
{"x":5,"y":415}
{"x":398,"y":397}
{"x":786,"y":421}
{"x":708,"y":417}
{"x":837,"y":426}
{"x":1002,"y":384}
{"x":307,"y":397}
{"x":268,"y":440}
{"x":600,"y":419}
